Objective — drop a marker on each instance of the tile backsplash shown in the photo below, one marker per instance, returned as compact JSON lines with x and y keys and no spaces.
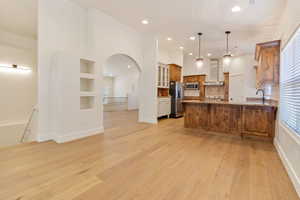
{"x":214,"y":92}
{"x":192,"y":93}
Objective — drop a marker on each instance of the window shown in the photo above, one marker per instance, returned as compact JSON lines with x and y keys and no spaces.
{"x":290,"y":84}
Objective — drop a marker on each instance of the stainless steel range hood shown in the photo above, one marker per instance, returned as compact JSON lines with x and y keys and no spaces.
{"x":214,"y":83}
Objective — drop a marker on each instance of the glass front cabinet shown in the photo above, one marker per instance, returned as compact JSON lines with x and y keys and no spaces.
{"x":163,"y":76}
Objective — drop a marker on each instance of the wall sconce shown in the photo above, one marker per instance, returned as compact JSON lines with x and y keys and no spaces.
{"x":13,"y":68}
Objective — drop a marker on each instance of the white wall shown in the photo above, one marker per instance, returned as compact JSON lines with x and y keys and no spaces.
{"x":109,"y":37}
{"x":242,"y":77}
{"x":128,"y":86}
{"x":77,"y":32}
{"x":18,"y":90}
{"x":148,"y":83}
{"x":290,"y":20}
{"x":170,"y":56}
{"x":286,"y":141}
{"x":108,"y":86}
{"x":61,"y":28}
{"x":190,"y":68}
{"x":125,"y":85}
{"x":163,"y":56}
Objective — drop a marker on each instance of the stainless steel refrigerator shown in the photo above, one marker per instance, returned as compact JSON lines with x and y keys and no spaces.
{"x":176,"y":92}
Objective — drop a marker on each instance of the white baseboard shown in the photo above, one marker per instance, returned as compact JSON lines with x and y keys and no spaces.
{"x":44,"y":137}
{"x":148,"y":121}
{"x":289,"y":168}
{"x":78,"y":135}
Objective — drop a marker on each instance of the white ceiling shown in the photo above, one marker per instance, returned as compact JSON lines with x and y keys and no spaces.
{"x":179,"y":19}
{"x":19,"y":17}
{"x":117,"y":65}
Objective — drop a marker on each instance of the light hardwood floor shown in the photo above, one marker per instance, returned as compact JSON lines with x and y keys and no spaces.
{"x":134,"y":161}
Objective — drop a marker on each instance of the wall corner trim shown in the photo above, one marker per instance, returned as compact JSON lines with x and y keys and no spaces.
{"x":290,"y":170}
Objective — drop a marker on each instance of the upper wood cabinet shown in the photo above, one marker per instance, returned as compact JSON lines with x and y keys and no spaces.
{"x":267,"y":56}
{"x":175,"y":72}
{"x":196,"y":78}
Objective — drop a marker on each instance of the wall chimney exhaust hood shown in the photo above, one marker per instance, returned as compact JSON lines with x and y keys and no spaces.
{"x":214,"y":74}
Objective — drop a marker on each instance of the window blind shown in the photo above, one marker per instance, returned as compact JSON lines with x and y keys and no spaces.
{"x":290,"y":84}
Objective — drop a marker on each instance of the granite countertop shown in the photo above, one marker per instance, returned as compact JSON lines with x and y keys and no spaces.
{"x":242,"y":103}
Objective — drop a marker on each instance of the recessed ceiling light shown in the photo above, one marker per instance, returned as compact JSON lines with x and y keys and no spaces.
{"x":145,"y":21}
{"x":129,"y":66}
{"x":236,"y":9}
{"x":192,"y":38}
{"x":169,"y":39}
{"x":209,"y":54}
{"x":181,"y":47}
{"x":190,"y":54}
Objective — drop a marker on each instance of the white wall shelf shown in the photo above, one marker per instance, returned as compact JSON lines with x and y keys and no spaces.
{"x":88,"y":94}
{"x":87,"y":66}
{"x":87,"y":76}
{"x":87,"y":84}
{"x":87,"y":102}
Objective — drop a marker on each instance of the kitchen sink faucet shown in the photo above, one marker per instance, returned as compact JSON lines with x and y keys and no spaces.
{"x":263,"y":92}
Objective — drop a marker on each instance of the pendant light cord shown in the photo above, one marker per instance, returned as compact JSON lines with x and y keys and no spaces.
{"x":199,"y":55}
{"x":227,"y":43}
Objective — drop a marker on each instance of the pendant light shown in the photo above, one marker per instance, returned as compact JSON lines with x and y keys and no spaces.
{"x":199,"y":60}
{"x":227,"y":56}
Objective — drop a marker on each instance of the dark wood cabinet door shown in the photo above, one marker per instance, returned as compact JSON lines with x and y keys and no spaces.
{"x":268,"y":57}
{"x":225,"y":118}
{"x":258,"y":120}
{"x":219,"y":118}
{"x":196,"y":116}
{"x":175,"y":73}
{"x":235,"y":120}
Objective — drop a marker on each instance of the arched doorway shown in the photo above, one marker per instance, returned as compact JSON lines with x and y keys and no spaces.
{"x":120,"y":91}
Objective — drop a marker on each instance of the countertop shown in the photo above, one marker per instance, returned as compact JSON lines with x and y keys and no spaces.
{"x":242,"y":103}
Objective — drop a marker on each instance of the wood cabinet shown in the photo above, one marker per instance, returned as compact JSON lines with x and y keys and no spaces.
{"x":267,"y":56}
{"x":225,"y":118}
{"x":259,"y":121}
{"x":233,"y":119}
{"x":163,"y":79}
{"x":175,"y":72}
{"x":195,"y":116}
{"x":196,"y":78}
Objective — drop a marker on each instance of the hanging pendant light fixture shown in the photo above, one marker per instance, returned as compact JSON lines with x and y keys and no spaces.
{"x":199,"y":60}
{"x":227,"y":56}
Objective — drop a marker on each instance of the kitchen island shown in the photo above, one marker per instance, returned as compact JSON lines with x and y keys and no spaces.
{"x":249,"y":118}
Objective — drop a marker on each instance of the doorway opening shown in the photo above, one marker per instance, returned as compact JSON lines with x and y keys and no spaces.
{"x":121,"y":76}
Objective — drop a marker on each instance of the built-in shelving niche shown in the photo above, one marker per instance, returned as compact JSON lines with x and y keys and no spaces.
{"x":87,"y":102}
{"x":87,"y":84}
{"x":87,"y":66}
